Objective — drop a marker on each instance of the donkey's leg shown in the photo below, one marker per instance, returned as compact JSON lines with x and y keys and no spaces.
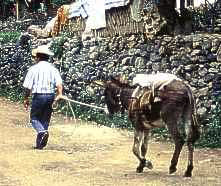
{"x":189,"y":169}
{"x":144,"y":148}
{"x":138,"y":136}
{"x":172,"y":117}
{"x":179,"y":142}
{"x":192,"y":136}
{"x":192,"y":133}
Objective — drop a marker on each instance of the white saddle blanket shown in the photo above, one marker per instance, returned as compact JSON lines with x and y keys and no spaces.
{"x":154,"y":80}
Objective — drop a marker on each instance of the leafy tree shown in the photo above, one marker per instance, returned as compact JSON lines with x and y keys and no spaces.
{"x":5,"y":6}
{"x":61,"y":2}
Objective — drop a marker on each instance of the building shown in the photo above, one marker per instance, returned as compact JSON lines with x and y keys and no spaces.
{"x":194,"y":3}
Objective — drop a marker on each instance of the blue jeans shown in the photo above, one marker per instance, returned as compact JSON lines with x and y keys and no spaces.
{"x":41,"y":111}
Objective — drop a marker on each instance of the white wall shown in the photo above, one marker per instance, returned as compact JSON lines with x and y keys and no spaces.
{"x":199,"y":2}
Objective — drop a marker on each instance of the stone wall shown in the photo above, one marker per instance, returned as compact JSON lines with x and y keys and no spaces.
{"x":191,"y":57}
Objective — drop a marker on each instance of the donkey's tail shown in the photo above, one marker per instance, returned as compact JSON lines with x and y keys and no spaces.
{"x":195,"y":122}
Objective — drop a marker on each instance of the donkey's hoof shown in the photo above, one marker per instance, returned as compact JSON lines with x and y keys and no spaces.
{"x":139,"y":169}
{"x":172,"y":170}
{"x":187,"y":174}
{"x":149,"y":165}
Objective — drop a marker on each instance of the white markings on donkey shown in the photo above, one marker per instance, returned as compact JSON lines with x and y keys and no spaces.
{"x":159,"y":100}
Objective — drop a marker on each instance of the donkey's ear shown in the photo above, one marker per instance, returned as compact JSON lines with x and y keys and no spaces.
{"x":116,"y":79}
{"x":120,"y":79}
{"x":112,"y":78}
{"x":99,"y":83}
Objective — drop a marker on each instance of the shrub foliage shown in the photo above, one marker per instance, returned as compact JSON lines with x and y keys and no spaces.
{"x":211,"y":135}
{"x":9,"y":37}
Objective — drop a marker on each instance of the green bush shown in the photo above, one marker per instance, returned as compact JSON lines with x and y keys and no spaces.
{"x":211,"y":136}
{"x":60,"y":2}
{"x":12,"y":94}
{"x":9,"y":37}
{"x":57,"y":46}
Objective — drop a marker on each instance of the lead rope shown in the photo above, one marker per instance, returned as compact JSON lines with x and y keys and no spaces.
{"x":72,"y":111}
{"x":81,"y":103}
{"x":69,"y":103}
{"x":28,"y":118}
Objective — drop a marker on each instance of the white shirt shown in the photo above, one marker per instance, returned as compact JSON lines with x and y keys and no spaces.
{"x":42,"y":77}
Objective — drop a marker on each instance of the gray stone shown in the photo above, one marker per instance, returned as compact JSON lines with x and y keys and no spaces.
{"x":139,"y":62}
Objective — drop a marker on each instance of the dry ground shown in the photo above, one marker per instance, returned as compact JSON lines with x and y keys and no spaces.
{"x":89,"y":155}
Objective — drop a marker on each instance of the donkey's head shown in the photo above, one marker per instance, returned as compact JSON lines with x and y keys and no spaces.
{"x":112,"y":93}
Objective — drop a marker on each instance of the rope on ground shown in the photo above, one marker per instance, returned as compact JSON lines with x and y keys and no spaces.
{"x":72,"y":111}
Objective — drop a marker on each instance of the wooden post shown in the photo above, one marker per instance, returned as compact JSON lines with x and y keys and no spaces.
{"x":182,"y":5}
{"x":17,"y":11}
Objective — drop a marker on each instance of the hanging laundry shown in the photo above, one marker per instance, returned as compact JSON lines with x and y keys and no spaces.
{"x":61,"y":21}
{"x":96,"y":15}
{"x":115,"y":3}
{"x":93,"y":11}
{"x":136,"y":8}
{"x":49,"y":26}
{"x":77,"y":9}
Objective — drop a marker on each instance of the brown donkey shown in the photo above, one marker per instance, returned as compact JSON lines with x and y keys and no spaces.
{"x":167,"y":103}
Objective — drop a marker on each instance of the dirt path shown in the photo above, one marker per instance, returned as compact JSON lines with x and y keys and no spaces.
{"x":88,"y":155}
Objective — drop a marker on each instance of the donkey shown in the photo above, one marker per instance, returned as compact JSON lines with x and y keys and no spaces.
{"x":164,"y":103}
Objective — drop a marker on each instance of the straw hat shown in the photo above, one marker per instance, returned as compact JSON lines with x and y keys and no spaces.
{"x":43,"y":49}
